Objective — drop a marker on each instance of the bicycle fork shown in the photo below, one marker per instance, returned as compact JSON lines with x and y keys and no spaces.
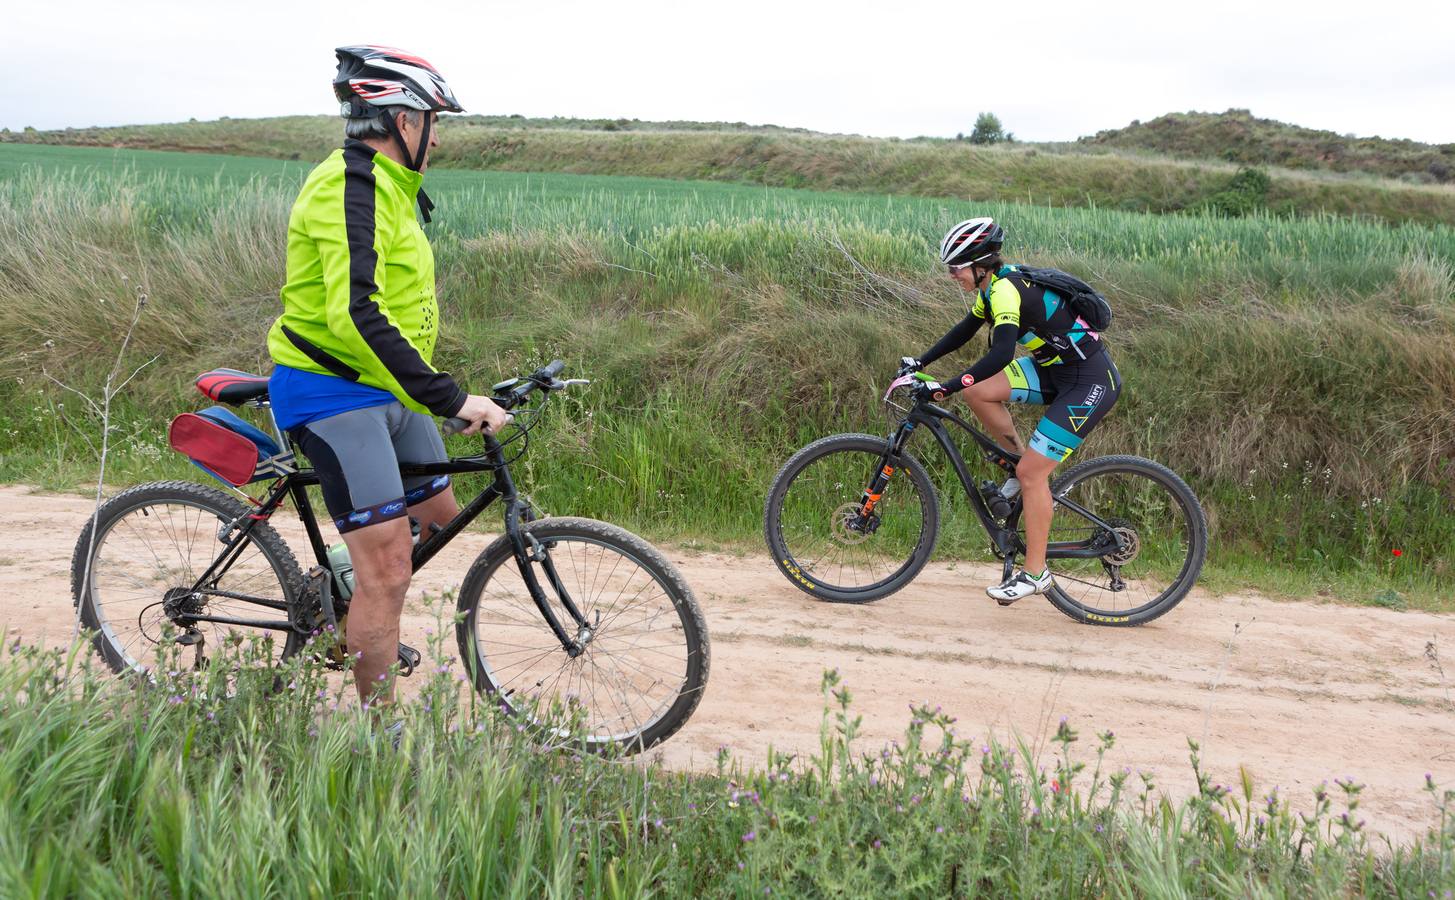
{"x":864,"y":521}
{"x":530,"y":552}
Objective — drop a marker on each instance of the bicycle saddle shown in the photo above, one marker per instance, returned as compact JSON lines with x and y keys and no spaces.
{"x":232,"y":387}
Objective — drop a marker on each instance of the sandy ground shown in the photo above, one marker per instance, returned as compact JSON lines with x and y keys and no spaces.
{"x":1298,"y":693}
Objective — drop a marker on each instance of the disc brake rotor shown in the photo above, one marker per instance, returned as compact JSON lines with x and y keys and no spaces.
{"x":849,"y":527}
{"x":1131,"y":543}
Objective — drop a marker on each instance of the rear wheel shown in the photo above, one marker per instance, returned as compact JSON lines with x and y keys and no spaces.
{"x":821,"y":539}
{"x":1158,"y":550}
{"x":645,"y":650}
{"x":137,"y":581}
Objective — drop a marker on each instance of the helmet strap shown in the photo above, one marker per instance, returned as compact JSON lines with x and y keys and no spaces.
{"x":413,"y":160}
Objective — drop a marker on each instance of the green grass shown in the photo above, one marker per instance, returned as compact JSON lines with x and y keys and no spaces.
{"x":1296,"y":372}
{"x":230,"y":781}
{"x":1050,"y":174}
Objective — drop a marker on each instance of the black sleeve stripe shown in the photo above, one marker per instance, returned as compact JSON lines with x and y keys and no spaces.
{"x":953,"y":340}
{"x":436,"y":391}
{"x":319,"y":355}
{"x":1002,"y":351}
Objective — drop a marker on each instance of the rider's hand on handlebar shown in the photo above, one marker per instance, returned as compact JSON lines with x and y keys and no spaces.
{"x":925,"y":391}
{"x":908,"y":365}
{"x":483,"y":414}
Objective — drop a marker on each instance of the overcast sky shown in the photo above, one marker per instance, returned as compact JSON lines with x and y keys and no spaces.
{"x":1050,"y":70}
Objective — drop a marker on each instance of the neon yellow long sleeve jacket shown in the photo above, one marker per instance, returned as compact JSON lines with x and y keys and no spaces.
{"x":359,"y":301}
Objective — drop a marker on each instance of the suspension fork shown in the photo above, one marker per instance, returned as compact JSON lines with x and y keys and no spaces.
{"x":875,"y":491}
{"x":528,"y":550}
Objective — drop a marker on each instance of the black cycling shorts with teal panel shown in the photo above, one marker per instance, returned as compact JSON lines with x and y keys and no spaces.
{"x":1076,"y":397}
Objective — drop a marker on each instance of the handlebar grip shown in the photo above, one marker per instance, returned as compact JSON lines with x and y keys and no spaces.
{"x":553,"y":368}
{"x":455,"y":425}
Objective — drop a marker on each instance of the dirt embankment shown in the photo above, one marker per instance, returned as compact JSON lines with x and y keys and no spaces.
{"x":1298,"y":693}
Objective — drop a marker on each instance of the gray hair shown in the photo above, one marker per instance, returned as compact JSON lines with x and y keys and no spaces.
{"x":365,"y":127}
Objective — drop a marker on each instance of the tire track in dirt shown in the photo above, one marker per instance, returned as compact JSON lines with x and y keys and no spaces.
{"x":1305,"y":692}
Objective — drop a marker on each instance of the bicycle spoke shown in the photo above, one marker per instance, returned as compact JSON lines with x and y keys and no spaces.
{"x":817,"y":517}
{"x":153,"y":551}
{"x":634,"y":656}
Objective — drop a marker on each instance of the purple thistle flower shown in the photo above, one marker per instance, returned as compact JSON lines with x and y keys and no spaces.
{"x":750,"y":836}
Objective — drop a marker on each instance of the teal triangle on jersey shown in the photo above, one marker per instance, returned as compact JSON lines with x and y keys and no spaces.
{"x":1078,"y":415}
{"x":1052,"y":300}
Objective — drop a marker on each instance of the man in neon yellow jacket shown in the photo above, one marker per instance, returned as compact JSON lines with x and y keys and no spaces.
{"x":353,"y":383}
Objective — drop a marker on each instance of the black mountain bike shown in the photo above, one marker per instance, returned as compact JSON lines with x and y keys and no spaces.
{"x":558,"y":618}
{"x":852,"y":518}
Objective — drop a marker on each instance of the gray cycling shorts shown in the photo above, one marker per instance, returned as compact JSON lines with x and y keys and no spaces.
{"x":357,"y":456}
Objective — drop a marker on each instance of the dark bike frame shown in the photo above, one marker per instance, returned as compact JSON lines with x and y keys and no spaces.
{"x":1005,"y":539}
{"x":295,"y":485}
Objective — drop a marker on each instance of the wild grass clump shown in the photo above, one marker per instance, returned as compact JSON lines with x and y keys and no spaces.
{"x":240,"y":780}
{"x":725,"y":327}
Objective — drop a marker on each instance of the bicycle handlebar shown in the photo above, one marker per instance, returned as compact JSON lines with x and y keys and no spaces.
{"x":543,"y":379}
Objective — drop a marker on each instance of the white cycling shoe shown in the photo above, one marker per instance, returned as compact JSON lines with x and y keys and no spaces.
{"x":1021,"y":584}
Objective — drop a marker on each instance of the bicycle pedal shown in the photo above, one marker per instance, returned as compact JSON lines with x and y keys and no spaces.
{"x":409,"y":659}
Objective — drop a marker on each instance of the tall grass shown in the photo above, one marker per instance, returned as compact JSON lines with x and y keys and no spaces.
{"x":1298,"y":372}
{"x":236,"y":780}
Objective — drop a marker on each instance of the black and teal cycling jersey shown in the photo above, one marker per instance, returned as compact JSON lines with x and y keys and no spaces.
{"x":1020,"y":313}
{"x":1069,"y":370}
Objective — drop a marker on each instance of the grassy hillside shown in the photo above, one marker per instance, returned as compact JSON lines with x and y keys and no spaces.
{"x":1298,"y":372}
{"x":933,"y":168}
{"x":1238,"y":136}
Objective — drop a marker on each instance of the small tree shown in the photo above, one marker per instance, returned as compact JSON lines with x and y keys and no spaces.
{"x":988,"y":130}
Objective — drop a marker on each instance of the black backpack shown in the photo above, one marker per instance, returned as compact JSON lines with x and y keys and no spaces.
{"x":1084,"y":299}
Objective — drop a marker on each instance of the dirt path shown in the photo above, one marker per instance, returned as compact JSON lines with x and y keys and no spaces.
{"x":1303,"y":693}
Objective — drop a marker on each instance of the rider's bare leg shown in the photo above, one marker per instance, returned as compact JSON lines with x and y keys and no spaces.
{"x":437,"y":510}
{"x":987,"y":400}
{"x":1034,"y":472}
{"x":381,"y":558}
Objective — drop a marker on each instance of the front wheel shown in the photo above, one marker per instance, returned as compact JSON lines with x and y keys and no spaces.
{"x":644,"y":659}
{"x":1152,"y":529}
{"x":835,"y":541}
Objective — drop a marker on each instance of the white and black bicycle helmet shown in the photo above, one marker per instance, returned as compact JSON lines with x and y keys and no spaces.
{"x":971,"y":241}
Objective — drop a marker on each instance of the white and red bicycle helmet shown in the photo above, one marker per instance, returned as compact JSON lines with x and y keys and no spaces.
{"x":372,"y":80}
{"x":371,"y":77}
{"x":971,"y":241}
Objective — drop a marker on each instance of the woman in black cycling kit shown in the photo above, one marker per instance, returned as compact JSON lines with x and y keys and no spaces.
{"x":1069,"y":371}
